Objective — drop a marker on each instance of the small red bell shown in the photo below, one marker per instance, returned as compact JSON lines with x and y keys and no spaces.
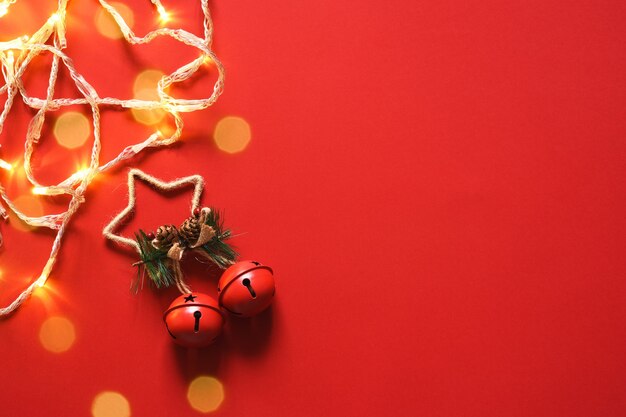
{"x":246,"y":288}
{"x":193,"y":320}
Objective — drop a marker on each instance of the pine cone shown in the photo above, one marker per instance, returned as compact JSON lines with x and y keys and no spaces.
{"x":190,"y":230}
{"x":165,"y":236}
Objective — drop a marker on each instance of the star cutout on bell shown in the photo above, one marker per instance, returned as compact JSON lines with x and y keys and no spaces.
{"x":190,"y":298}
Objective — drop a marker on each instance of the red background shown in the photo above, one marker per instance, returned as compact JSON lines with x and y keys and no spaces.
{"x":439,"y":186}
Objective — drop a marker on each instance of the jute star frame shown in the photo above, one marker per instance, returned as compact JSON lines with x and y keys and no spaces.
{"x":202,"y":233}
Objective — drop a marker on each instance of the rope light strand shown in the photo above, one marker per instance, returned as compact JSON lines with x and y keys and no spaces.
{"x":15,"y":58}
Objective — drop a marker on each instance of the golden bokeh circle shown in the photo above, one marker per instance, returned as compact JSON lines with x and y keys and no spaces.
{"x":148,"y":116}
{"x":57,"y":334}
{"x":148,"y":80}
{"x":205,"y":394}
{"x":232,"y":134}
{"x":110,"y":404}
{"x":29,"y":205}
{"x":106,"y":25}
{"x":72,"y":129}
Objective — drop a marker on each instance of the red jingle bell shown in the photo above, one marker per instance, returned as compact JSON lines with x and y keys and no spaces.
{"x":194,"y":320}
{"x":246,"y":288}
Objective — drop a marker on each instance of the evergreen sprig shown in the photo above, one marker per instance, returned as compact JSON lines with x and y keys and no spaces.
{"x":158,"y":266}
{"x":154,"y":261}
{"x":216,"y":249}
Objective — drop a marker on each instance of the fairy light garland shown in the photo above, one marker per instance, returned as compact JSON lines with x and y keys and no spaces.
{"x":15,"y":57}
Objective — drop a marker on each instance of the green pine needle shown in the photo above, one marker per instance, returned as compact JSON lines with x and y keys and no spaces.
{"x":155,"y":262}
{"x":216,"y":249}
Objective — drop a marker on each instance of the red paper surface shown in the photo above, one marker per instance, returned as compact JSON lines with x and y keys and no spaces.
{"x":438,"y":185}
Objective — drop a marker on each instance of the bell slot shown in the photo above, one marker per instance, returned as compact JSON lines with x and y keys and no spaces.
{"x":246,"y":283}
{"x":196,"y":326}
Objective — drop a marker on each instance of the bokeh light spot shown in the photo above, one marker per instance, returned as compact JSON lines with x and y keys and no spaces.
{"x":232,"y":134}
{"x":205,"y":394}
{"x":148,"y":116}
{"x":148,"y":80}
{"x":29,"y":205}
{"x":106,"y":24}
{"x":57,"y":334}
{"x":72,"y":129}
{"x":110,"y":404}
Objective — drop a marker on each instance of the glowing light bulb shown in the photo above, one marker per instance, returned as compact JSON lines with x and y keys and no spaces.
{"x":40,"y":190}
{"x":48,"y":190}
{"x":5,"y":165}
{"x":41,"y":281}
{"x":62,"y":188}
{"x":164,"y":15}
{"x":79,"y":175}
{"x":73,"y":179}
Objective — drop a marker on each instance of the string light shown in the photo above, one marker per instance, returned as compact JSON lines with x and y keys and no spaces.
{"x":41,"y":281}
{"x":164,"y":15}
{"x":44,"y":191}
{"x":5,"y":165}
{"x":50,"y":39}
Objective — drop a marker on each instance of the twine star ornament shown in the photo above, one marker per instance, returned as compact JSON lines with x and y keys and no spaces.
{"x":109,"y":229}
{"x":196,"y":180}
